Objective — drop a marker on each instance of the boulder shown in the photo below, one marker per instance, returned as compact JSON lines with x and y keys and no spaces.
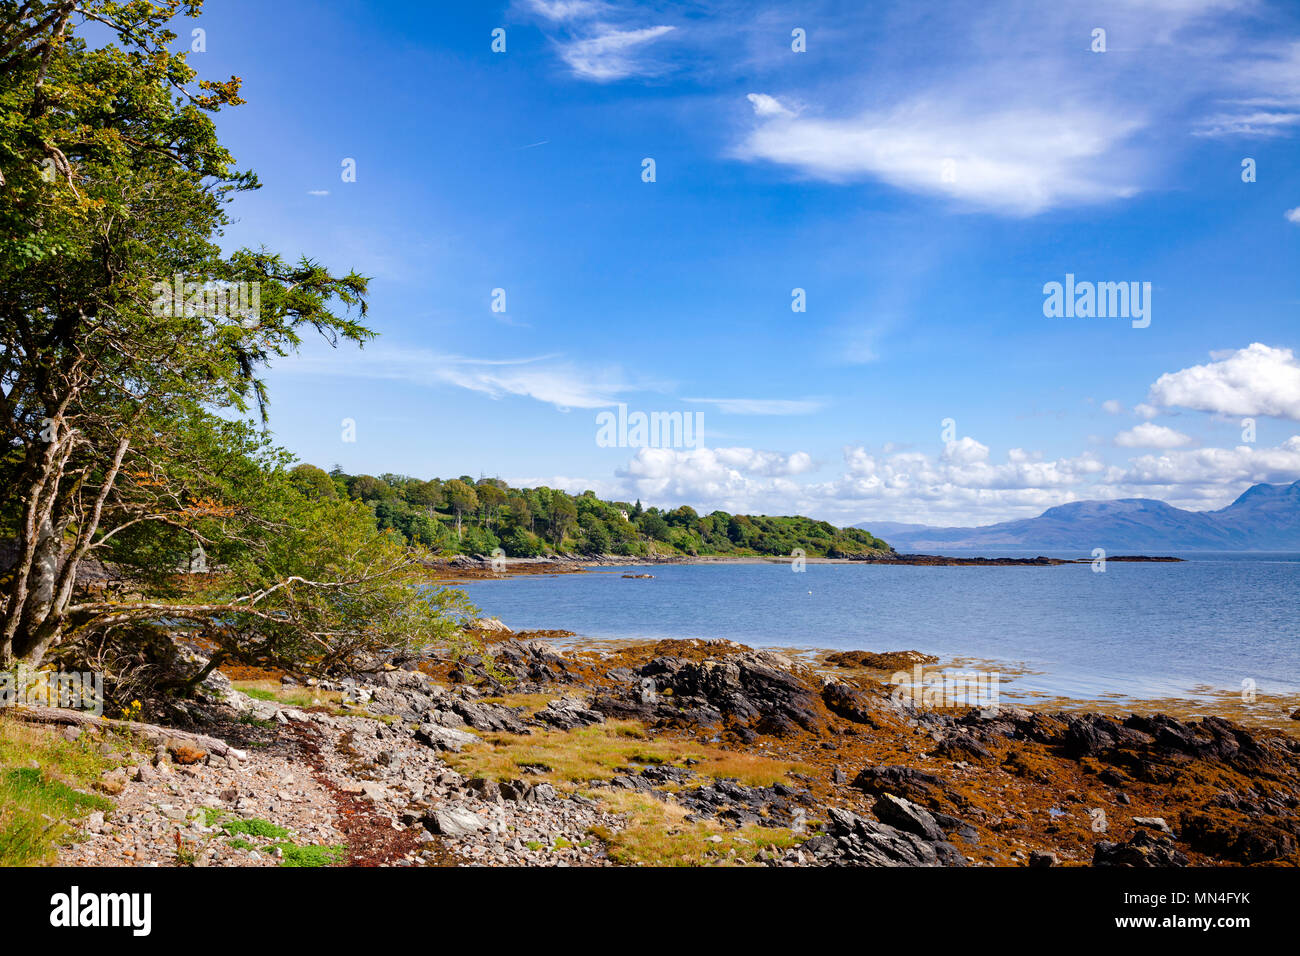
{"x":568,"y":713}
{"x":453,"y":822}
{"x":1143,"y":849}
{"x":906,"y":815}
{"x":443,"y":738}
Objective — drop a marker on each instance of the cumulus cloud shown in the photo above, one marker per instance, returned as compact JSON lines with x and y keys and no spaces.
{"x":1293,"y":215}
{"x":934,"y":488}
{"x":1113,"y":406}
{"x":728,"y":478}
{"x":1148,"y":435}
{"x":1256,"y":380}
{"x":1231,"y":467}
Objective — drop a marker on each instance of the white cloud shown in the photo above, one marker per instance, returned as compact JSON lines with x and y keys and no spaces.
{"x":714,"y":477}
{"x":1013,"y":160}
{"x":611,"y":54}
{"x":965,"y":451}
{"x":1256,"y":380}
{"x":1293,"y":215}
{"x":543,"y":378}
{"x":761,"y":406}
{"x":1113,"y":406}
{"x":559,"y":10}
{"x":1227,"y":468}
{"x":1148,"y":435}
{"x":765,"y":105}
{"x":318,"y":192}
{"x":1143,"y":410}
{"x":1255,"y":123}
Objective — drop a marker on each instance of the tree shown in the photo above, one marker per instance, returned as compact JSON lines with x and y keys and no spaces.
{"x":131,"y":348}
{"x":369,"y":488}
{"x":563,"y":515}
{"x":654,"y":526}
{"x":425,"y":494}
{"x":491,"y":496}
{"x":313,"y":482}
{"x":461,"y":498}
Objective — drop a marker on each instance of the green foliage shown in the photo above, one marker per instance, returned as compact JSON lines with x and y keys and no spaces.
{"x":457,"y":517}
{"x":311,"y":855}
{"x":37,"y":806}
{"x":132,"y":373}
{"x":255,"y":827}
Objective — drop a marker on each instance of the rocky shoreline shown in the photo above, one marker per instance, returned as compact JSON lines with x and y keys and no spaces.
{"x":472,"y":567}
{"x":684,"y":751}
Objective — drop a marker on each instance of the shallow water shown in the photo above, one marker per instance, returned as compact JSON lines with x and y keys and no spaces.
{"x":1137,"y":631}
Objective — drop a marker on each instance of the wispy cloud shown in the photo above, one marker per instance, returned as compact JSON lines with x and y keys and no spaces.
{"x":611,"y":54}
{"x":761,"y":406}
{"x":1018,"y":160}
{"x":600,"y":42}
{"x":544,"y":378}
{"x":1022,"y":117}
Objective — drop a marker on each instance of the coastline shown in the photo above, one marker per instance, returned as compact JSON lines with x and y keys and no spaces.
{"x":477,"y":567}
{"x":682,"y":752}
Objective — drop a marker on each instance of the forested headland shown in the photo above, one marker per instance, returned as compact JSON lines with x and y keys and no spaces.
{"x":468,"y":516}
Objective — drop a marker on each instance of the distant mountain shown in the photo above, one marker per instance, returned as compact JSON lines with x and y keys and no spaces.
{"x":1263,"y":518}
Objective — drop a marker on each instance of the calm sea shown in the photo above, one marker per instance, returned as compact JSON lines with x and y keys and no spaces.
{"x":1137,"y":631}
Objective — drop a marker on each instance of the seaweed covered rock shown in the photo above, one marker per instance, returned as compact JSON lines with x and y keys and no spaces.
{"x":750,"y":693}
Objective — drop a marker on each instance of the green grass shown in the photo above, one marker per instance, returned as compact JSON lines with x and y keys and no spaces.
{"x":240,"y":844}
{"x":43,"y":779}
{"x":311,"y":855}
{"x":255,"y":827}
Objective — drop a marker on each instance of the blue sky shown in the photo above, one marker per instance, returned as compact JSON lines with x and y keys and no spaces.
{"x":920,"y":170}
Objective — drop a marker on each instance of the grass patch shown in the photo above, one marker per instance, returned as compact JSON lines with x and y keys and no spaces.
{"x":657,"y":834}
{"x":289,"y":695}
{"x":39,"y":804}
{"x":238,"y":843}
{"x":597,"y":753}
{"x":311,"y":855}
{"x":255,"y":827}
{"x":532,"y":703}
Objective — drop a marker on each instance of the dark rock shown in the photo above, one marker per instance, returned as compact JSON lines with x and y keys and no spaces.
{"x":848,"y":702}
{"x":752,"y":692}
{"x":568,"y":713}
{"x":888,"y":661}
{"x":906,"y":815}
{"x":914,"y":784}
{"x":858,"y":841}
{"x":1143,"y":849}
{"x":963,"y":747}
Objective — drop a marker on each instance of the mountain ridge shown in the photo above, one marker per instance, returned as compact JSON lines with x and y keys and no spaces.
{"x":1264,"y":517}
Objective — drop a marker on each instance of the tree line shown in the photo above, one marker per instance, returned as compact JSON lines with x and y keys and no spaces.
{"x":468,"y":516}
